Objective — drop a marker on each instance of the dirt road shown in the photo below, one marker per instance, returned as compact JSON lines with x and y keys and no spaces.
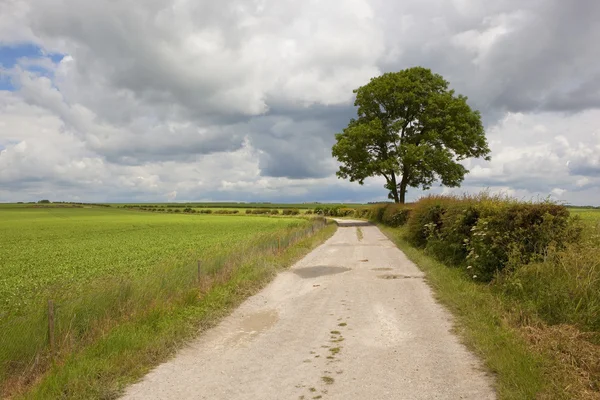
{"x":352,"y":320}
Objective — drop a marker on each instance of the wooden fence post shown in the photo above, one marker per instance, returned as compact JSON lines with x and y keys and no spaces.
{"x":51,"y":326}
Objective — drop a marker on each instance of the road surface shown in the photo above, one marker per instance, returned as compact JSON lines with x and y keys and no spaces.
{"x":354,"y":319}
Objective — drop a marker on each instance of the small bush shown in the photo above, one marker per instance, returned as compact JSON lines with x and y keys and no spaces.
{"x":291,"y":211}
{"x":274,"y":212}
{"x":226,"y":212}
{"x":391,"y":214}
{"x":395,"y":215}
{"x":344,"y":212}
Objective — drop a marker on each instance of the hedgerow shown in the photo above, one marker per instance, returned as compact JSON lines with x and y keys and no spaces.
{"x":487,"y":234}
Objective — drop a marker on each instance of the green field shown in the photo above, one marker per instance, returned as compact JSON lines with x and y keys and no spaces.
{"x":589,"y":215}
{"x":58,"y":251}
{"x":106,"y":268}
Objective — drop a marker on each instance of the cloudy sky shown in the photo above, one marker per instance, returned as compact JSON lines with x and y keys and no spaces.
{"x":121,"y":100}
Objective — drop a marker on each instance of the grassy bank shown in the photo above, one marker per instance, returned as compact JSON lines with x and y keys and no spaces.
{"x":532,"y":356}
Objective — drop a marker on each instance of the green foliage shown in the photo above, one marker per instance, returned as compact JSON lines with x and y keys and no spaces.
{"x":390,"y":214}
{"x":409,"y":125}
{"x":487,"y":234}
{"x":563,"y":287}
{"x":291,"y":211}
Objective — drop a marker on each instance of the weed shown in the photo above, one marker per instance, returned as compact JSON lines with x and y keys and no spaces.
{"x":327,"y":379}
{"x":359,"y":233}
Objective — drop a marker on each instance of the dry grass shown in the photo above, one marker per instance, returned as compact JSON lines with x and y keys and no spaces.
{"x":574,"y":360}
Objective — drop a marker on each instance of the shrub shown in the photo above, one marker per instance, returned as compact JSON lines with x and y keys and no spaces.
{"x":376,"y":212}
{"x":391,"y":214}
{"x":291,"y":211}
{"x":248,"y":211}
{"x":226,"y":212}
{"x":362,"y":212}
{"x":274,"y":212}
{"x":395,"y":215}
{"x":308,"y":212}
{"x":344,"y":212}
{"x":487,"y":234}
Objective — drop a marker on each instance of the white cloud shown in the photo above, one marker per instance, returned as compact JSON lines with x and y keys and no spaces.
{"x":240,"y":99}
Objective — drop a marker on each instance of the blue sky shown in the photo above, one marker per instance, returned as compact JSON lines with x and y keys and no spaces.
{"x":11,"y":54}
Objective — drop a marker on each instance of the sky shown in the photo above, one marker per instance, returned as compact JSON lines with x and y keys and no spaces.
{"x":239,"y":100}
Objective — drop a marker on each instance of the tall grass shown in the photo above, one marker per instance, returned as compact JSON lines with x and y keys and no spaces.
{"x":80,"y":321}
{"x":564,"y":288}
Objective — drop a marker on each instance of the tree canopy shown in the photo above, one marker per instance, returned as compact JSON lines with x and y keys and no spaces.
{"x":412,"y":130}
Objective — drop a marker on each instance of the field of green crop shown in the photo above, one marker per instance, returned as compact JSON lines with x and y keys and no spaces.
{"x":61,"y":251}
{"x":588,"y":215}
{"x":71,"y":275}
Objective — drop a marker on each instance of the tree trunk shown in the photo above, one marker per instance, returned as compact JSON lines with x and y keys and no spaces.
{"x":403,"y":185}
{"x":394,"y":189}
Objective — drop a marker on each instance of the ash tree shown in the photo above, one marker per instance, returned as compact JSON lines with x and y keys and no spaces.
{"x":412,"y":130}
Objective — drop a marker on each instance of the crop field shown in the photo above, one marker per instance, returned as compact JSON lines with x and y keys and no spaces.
{"x":53,"y":251}
{"x":69,"y":274}
{"x":588,"y":215}
{"x":243,"y":206}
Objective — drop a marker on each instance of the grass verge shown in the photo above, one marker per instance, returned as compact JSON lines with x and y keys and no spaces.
{"x":530,"y":358}
{"x":480,"y":323}
{"x":127,"y":351}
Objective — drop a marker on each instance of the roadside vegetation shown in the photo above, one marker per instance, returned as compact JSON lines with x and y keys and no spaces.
{"x":523,"y":280}
{"x":126,"y":289}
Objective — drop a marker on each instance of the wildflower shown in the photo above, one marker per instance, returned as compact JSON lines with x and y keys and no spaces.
{"x":474,"y":276}
{"x":469,"y":267}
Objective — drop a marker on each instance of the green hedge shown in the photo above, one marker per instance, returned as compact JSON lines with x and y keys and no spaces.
{"x":390,"y":214}
{"x":487,"y":234}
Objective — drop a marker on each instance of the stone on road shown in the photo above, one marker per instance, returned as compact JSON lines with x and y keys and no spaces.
{"x":354,"y":319}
